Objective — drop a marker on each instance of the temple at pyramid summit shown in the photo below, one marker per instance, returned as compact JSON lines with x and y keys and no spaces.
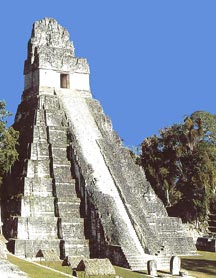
{"x":75,"y":188}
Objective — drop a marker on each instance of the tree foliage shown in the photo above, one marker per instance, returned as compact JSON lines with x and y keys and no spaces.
{"x":180,"y":164}
{"x":8,"y":142}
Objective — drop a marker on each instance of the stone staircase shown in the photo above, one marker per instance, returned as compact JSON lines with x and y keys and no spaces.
{"x":212,"y":224}
{"x":173,"y":235}
{"x":138,"y":262}
{"x":70,"y":225}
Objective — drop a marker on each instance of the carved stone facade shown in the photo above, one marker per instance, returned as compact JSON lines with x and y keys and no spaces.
{"x":75,"y":188}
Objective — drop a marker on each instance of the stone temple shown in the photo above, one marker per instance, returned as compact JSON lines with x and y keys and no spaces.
{"x":75,"y":189}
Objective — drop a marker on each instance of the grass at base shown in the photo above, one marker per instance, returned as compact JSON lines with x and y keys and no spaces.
{"x":127,"y":273}
{"x":202,"y":266}
{"x":58,"y":266}
{"x":33,"y":270}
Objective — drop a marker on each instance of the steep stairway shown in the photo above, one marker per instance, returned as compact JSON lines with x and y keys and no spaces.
{"x":70,"y":225}
{"x":104,"y":191}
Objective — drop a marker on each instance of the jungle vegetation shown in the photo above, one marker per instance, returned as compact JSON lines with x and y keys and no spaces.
{"x":180,"y":164}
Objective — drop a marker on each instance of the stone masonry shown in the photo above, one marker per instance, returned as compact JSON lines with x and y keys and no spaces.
{"x":75,"y":188}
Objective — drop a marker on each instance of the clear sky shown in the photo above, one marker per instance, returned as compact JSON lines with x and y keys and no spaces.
{"x":152,"y":62}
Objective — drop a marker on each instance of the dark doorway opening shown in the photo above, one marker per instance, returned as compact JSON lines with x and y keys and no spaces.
{"x":64,"y":81}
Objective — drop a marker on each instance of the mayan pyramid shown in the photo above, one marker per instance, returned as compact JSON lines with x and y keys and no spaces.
{"x":75,"y":188}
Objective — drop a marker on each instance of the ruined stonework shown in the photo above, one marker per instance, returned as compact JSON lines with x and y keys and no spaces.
{"x":75,"y":188}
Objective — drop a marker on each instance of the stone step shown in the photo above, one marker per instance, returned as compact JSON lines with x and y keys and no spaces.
{"x":69,"y":199}
{"x":70,"y":236}
{"x":71,"y":219}
{"x":138,"y":262}
{"x":69,"y":216}
{"x":70,"y":211}
{"x":59,"y":154}
{"x":54,"y":119}
{"x":72,"y":239}
{"x":39,"y":151}
{"x":61,"y":162}
{"x":38,"y":186}
{"x":77,"y":249}
{"x":36,"y":205}
{"x":171,"y":234}
{"x":81,"y":244}
{"x":37,"y":227}
{"x":58,"y":136}
{"x":65,"y":189}
{"x":40,"y":134}
{"x":29,"y":248}
{"x":65,"y":192}
{"x":75,"y":229}
{"x":163,"y":263}
{"x":38,"y":168}
{"x":73,"y":203}
{"x":62,"y":173}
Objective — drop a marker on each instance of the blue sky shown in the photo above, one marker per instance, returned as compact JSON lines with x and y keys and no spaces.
{"x":152,"y":62}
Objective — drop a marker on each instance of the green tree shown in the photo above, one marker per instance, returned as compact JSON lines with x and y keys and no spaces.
{"x":180,"y":164}
{"x":8,"y":142}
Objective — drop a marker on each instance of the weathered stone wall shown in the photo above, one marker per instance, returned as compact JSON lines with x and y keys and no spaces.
{"x":42,"y":208}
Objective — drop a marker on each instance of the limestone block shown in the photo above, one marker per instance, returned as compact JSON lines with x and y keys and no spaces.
{"x":37,"y":205}
{"x":77,"y":248}
{"x":55,"y":119}
{"x":59,"y":155}
{"x":57,"y":136}
{"x":39,"y":151}
{"x":72,"y":231}
{"x":37,"y":228}
{"x":40,"y":117}
{"x":39,"y":134}
{"x":67,"y":207}
{"x":49,"y":102}
{"x":39,"y":186}
{"x":62,"y":173}
{"x":29,"y":248}
{"x":65,"y":189}
{"x":43,"y":168}
{"x":30,"y":169}
{"x":175,"y":265}
{"x":152,"y":268}
{"x":38,"y":168}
